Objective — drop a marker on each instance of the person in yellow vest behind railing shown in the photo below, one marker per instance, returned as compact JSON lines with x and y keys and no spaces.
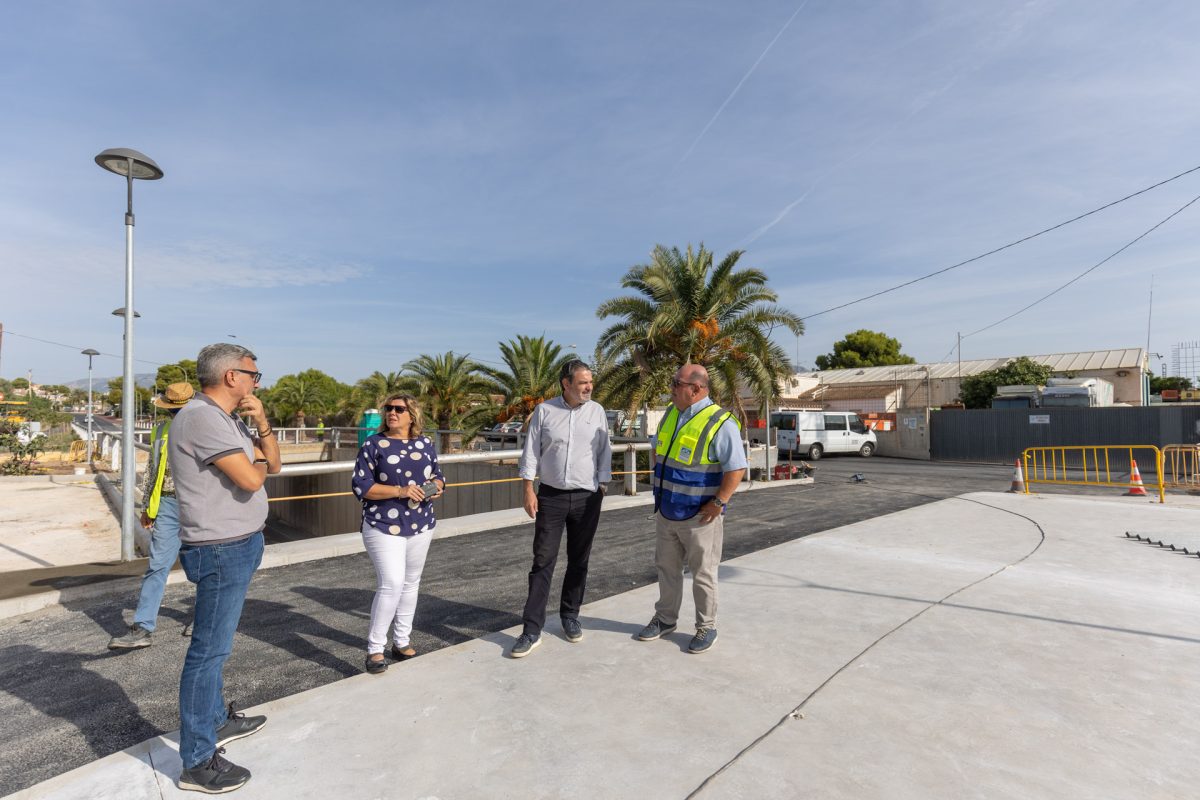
{"x":161,"y":517}
{"x":698,"y":463}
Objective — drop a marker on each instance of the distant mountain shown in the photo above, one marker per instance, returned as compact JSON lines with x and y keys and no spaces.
{"x":100,"y":385}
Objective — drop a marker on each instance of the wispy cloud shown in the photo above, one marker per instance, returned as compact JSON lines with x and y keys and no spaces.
{"x":740,"y":83}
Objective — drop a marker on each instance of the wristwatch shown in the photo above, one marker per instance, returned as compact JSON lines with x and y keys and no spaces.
{"x":720,"y":502}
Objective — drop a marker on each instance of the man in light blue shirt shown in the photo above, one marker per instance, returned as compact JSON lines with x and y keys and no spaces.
{"x":698,"y":463}
{"x":569,"y":449}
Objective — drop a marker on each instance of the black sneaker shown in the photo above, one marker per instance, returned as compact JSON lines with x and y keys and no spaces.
{"x":525,"y":644}
{"x":572,"y":629}
{"x":375,"y":666}
{"x":238,"y":726}
{"x":653,"y":630}
{"x":137,"y":637}
{"x":217,"y":776}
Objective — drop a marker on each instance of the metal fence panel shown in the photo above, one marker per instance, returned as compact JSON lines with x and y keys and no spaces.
{"x":1000,"y":435}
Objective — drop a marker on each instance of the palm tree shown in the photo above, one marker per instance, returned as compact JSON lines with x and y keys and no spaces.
{"x":532,"y":376}
{"x":687,"y":311}
{"x":453,"y":392}
{"x":371,"y":391}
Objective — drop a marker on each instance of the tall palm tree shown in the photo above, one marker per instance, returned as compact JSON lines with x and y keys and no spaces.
{"x":453,"y":392}
{"x":687,"y":311}
{"x":533,"y":364}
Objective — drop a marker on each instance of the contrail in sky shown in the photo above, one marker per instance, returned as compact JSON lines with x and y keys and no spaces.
{"x":749,"y":72}
{"x":919,"y":104}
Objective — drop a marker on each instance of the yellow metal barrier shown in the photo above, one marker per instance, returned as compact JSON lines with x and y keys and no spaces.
{"x":1098,"y":465}
{"x":1181,"y":466}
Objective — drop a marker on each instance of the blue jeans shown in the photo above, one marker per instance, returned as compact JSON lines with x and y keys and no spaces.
{"x":164,"y":549}
{"x":222,"y":575}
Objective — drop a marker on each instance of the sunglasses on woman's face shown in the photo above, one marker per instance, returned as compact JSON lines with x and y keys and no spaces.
{"x":397,"y":409}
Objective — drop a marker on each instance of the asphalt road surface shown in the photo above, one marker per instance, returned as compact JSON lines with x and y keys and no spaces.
{"x":68,"y":700}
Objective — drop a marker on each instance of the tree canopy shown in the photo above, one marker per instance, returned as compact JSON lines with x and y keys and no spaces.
{"x":685,"y":310}
{"x":532,"y":364}
{"x":1158,"y":383}
{"x":978,"y":390}
{"x":864,"y":348}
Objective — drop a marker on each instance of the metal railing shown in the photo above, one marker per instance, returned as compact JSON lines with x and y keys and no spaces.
{"x":1181,"y":466}
{"x":1092,"y":465}
{"x":627,"y":451}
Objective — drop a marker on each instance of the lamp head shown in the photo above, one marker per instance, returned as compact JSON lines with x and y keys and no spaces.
{"x":120,"y":159}
{"x":90,"y":352}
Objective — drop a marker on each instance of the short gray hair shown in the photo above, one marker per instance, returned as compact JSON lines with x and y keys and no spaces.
{"x":217,"y":359}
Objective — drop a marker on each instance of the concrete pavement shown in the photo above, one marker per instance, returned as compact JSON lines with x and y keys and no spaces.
{"x":991,"y":645}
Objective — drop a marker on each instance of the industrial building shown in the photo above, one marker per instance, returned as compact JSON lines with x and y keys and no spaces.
{"x":886,"y":390}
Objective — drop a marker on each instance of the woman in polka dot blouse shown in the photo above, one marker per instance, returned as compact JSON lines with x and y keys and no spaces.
{"x":398,"y":522}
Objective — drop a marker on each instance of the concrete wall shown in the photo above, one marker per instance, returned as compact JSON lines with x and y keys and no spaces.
{"x":910,"y":439}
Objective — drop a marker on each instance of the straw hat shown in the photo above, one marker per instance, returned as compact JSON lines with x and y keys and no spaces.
{"x":175,"y":395}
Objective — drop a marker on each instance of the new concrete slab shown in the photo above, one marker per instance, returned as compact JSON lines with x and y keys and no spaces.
{"x":986,"y":646}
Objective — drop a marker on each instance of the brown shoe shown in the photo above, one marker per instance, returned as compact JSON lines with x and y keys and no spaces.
{"x":400,"y":655}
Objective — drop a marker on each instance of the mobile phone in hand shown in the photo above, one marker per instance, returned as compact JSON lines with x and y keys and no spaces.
{"x":430,"y":488}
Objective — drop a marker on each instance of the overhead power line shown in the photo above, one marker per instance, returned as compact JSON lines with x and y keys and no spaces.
{"x":77,"y":348}
{"x":1010,"y":244}
{"x":1092,"y":268}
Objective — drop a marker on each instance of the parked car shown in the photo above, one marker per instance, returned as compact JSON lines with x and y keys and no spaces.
{"x":815,"y":433}
{"x":502,"y":430}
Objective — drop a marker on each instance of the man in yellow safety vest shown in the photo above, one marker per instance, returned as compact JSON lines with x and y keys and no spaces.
{"x":161,"y":516}
{"x":698,"y":462}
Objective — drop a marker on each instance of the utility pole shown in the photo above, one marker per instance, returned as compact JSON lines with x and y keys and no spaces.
{"x":959,"y":334}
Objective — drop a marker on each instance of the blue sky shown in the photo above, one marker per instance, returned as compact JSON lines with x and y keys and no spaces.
{"x":348,"y":187}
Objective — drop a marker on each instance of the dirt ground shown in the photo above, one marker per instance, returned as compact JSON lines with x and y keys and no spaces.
{"x":62,"y":519}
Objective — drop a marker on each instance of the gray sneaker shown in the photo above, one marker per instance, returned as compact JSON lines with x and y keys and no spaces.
{"x":237,"y":726}
{"x":216,"y":776}
{"x":572,"y":629}
{"x":654,"y":630}
{"x":525,"y":644}
{"x":137,"y":637}
{"x":703,"y":641}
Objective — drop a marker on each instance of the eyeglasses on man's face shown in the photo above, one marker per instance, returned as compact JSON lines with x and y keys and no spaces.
{"x":257,"y":376}
{"x":676,"y":383}
{"x":395,"y":409}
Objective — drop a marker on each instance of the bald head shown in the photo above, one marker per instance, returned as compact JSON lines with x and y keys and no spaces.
{"x":689,"y":386}
{"x":694,"y":373}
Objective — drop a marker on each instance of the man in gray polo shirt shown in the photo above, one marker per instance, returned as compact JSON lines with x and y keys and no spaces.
{"x":219,"y":469}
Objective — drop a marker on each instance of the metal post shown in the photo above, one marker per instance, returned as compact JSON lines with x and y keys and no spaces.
{"x":89,"y":417}
{"x":129,"y":393}
{"x":630,"y":466}
{"x":767,"y":458}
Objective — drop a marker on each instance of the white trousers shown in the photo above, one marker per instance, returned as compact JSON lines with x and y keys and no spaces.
{"x":399,"y":561}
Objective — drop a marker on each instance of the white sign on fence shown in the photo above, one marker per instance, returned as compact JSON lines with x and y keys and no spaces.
{"x":1039,"y":419}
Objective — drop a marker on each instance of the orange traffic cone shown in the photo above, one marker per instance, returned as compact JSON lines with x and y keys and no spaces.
{"x":1018,"y":482}
{"x":1138,"y":489}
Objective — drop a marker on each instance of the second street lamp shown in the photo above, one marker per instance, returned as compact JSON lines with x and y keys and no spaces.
{"x":130,"y":164}
{"x":90,"y":353}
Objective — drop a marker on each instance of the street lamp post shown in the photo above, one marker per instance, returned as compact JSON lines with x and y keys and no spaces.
{"x":130,"y":164}
{"x":90,"y":353}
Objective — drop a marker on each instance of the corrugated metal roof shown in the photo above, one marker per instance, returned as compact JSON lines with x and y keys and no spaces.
{"x":826,"y":392}
{"x":1131,"y":359}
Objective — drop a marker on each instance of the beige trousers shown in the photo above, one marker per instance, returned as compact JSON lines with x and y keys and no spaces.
{"x":697,"y":545}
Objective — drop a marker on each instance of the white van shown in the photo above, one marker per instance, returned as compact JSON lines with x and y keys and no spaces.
{"x":814,"y":433}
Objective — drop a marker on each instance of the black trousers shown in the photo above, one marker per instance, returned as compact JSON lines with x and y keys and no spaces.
{"x":578,"y":510}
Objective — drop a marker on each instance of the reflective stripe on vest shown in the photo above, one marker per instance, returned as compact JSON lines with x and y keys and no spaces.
{"x":685,"y":477}
{"x":156,"y":490}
